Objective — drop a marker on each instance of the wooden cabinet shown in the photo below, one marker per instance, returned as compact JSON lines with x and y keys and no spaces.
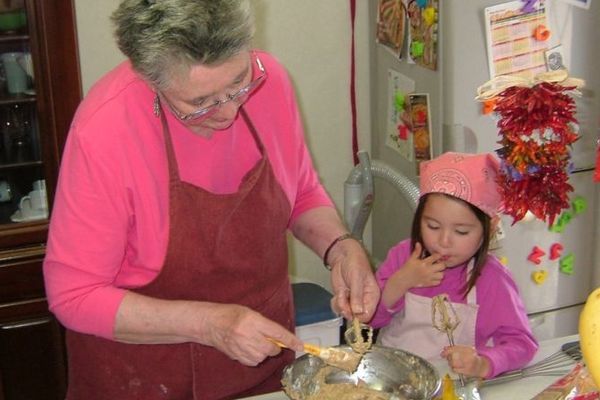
{"x":32,"y":354}
{"x":34,"y":121}
{"x":40,"y":88}
{"x":32,"y":351}
{"x":33,"y":364}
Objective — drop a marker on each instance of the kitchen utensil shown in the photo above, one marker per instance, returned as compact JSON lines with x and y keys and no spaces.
{"x":396,"y":372}
{"x":556,"y":364}
{"x":355,"y":336}
{"x":445,"y":319}
{"x":341,"y":358}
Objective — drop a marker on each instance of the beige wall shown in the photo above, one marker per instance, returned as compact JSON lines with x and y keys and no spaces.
{"x":310,"y":37}
{"x":98,"y":52}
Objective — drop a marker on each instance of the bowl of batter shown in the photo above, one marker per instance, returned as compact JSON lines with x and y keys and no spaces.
{"x":383,"y":373}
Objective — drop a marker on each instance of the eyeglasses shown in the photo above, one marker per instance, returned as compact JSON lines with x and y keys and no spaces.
{"x":239,"y":97}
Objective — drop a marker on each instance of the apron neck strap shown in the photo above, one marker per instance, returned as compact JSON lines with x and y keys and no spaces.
{"x":472,"y":295}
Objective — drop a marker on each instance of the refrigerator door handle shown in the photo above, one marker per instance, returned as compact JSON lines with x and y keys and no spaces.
{"x":537,"y":321}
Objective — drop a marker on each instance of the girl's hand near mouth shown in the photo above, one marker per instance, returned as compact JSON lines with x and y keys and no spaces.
{"x":417,"y":272}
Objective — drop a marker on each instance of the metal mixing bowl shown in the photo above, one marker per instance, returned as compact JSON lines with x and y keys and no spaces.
{"x":401,"y":374}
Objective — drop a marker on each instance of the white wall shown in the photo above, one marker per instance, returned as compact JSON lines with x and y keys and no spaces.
{"x":98,"y":52}
{"x":312,"y":39}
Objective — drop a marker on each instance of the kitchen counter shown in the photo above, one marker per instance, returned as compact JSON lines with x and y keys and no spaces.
{"x":524,"y":388}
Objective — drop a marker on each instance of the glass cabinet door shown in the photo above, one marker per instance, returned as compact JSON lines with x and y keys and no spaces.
{"x":23,"y":196}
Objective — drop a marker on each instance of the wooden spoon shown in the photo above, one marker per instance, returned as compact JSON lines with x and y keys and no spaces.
{"x":346,"y":360}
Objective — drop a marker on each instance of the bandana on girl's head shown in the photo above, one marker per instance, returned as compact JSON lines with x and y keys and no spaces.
{"x":470,"y":177}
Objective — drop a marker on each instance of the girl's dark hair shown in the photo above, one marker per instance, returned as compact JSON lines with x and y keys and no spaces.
{"x":481,"y":254}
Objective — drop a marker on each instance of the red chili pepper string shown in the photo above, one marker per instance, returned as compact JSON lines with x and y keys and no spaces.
{"x":536,"y":127}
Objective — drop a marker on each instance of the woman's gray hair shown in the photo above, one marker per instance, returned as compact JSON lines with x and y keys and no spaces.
{"x":165,"y":37}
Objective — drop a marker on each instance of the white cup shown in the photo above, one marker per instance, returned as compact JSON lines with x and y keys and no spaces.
{"x":5,"y":191}
{"x":16,"y":77}
{"x":39,"y":185}
{"x":34,"y":205}
{"x":26,"y":63}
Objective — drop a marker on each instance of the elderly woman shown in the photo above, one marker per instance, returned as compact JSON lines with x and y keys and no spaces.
{"x":184,"y":168}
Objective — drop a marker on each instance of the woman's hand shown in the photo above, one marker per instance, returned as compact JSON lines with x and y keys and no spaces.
{"x":355,"y":289}
{"x":465,"y":360}
{"x":241,"y":333}
{"x":238,"y":331}
{"x":354,"y":286}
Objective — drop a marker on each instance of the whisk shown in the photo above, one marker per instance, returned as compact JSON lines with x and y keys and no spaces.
{"x":355,"y":338}
{"x":556,"y":364}
{"x":445,"y":319}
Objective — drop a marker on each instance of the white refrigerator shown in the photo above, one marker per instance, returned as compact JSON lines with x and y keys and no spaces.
{"x":457,"y":124}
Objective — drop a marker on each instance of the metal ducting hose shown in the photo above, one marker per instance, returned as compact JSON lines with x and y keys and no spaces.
{"x":359,"y":194}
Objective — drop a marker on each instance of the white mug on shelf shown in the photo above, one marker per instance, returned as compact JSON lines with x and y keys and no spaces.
{"x":34,"y":205}
{"x":26,"y":63}
{"x":16,"y":77}
{"x":39,"y":185}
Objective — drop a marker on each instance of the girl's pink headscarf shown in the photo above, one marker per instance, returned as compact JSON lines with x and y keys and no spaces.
{"x":470,"y":177}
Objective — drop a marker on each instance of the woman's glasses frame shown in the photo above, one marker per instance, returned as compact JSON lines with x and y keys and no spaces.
{"x":239,"y":97}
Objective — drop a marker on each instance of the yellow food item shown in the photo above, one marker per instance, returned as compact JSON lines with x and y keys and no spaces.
{"x":589,"y":334}
{"x":448,"y":392}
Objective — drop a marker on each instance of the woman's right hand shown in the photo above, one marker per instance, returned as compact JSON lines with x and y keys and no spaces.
{"x":241,"y":333}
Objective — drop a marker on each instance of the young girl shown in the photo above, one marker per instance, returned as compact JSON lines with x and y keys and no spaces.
{"x":448,"y":255}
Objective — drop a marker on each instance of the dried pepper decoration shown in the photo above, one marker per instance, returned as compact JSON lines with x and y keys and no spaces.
{"x":537,"y":127}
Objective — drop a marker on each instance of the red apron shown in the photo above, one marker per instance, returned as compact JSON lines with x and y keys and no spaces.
{"x":227,"y":248}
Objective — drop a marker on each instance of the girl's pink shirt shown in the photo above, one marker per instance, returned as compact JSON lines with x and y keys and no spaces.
{"x":501,"y":318}
{"x":110,"y":219}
